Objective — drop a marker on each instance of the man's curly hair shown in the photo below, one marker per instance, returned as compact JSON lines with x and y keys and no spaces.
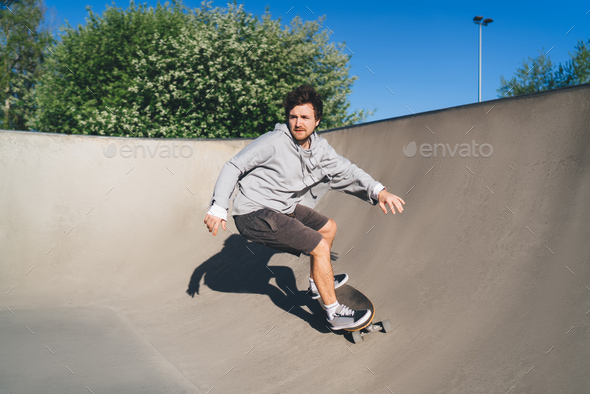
{"x":304,"y":94}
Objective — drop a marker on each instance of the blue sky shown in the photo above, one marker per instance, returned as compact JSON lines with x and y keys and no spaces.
{"x":424,"y":52}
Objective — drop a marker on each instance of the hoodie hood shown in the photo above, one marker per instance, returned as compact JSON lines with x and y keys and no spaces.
{"x":311,"y":170}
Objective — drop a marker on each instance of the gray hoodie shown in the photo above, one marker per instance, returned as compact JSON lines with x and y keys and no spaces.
{"x":275,"y":172}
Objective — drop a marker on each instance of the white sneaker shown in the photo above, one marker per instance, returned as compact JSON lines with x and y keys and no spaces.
{"x":349,"y":318}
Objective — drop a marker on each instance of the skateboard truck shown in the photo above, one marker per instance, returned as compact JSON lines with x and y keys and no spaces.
{"x":354,"y":299}
{"x":385,"y":326}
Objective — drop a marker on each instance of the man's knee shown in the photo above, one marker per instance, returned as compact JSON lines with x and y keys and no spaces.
{"x":334,"y":227}
{"x":329,"y":229}
{"x":323,"y":248}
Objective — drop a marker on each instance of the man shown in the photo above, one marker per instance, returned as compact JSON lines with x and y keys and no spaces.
{"x":280,"y":176}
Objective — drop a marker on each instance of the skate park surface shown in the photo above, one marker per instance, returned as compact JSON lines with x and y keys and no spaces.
{"x":110,"y":281}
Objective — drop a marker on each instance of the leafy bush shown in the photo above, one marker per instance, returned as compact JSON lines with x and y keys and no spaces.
{"x":172,"y":72}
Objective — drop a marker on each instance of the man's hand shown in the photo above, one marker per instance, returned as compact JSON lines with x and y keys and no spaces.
{"x":212,"y":223}
{"x":391,"y":200}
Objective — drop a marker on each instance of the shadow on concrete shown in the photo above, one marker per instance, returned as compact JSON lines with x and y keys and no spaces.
{"x":242,"y":267}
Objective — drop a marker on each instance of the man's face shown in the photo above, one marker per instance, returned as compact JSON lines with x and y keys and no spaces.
{"x":302,"y":123}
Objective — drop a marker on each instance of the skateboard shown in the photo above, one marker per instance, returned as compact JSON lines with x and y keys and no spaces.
{"x":354,"y":299}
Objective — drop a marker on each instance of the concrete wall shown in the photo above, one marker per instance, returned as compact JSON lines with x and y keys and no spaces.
{"x":484,"y":272}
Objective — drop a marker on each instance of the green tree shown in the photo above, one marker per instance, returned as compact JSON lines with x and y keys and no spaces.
{"x":214,"y":72}
{"x":23,"y":44}
{"x":535,"y":75}
{"x":538,"y":74}
{"x":577,"y":69}
{"x":91,"y":70}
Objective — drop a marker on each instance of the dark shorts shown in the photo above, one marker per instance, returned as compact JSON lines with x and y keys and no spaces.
{"x":295,"y":233}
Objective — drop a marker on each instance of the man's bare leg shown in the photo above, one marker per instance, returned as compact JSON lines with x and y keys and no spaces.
{"x":321,"y":269}
{"x":329,"y":233}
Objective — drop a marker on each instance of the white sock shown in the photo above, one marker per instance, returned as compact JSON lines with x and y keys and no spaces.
{"x":331,"y":310}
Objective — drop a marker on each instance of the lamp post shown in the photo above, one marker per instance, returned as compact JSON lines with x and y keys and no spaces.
{"x":478,"y":20}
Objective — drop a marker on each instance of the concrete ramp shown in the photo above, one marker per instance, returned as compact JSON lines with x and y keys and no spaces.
{"x":110,"y":282}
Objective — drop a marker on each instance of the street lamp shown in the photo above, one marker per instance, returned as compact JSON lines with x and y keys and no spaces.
{"x":478,"y":20}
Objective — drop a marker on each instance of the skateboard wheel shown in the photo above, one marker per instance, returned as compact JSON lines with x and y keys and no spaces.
{"x":387,"y":326}
{"x":357,"y":337}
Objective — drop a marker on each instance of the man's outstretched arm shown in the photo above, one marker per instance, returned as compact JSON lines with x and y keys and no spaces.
{"x":391,"y":200}
{"x":349,"y":178}
{"x":224,"y":187}
{"x":231,"y":172}
{"x":213,"y":222}
{"x":251,"y":156}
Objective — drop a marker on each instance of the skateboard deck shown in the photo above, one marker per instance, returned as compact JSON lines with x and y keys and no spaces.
{"x":354,"y":299}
